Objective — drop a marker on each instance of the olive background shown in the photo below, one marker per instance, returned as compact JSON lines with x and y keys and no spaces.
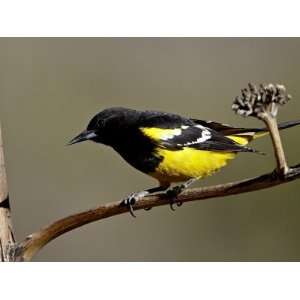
{"x":51,"y":87}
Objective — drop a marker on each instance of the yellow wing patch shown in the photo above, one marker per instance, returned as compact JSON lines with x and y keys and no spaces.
{"x":160,"y":133}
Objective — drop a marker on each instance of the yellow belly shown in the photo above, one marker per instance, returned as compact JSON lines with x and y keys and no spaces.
{"x":189,"y":163}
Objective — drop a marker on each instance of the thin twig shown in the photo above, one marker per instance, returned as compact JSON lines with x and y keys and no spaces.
{"x":6,"y":230}
{"x":25,"y":250}
{"x":271,"y":123}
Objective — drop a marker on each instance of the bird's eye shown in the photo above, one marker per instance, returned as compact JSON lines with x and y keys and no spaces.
{"x":100,"y":123}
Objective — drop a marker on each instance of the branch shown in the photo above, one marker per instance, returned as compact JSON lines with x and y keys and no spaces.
{"x":25,"y":250}
{"x":6,"y":231}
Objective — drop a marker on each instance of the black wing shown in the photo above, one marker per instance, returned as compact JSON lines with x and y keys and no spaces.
{"x":203,"y":138}
{"x":227,"y":129}
{"x":175,"y":132}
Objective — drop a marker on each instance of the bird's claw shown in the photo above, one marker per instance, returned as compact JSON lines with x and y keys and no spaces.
{"x":172,"y":194}
{"x":129,"y":202}
{"x":172,"y":202}
{"x":133,"y":199}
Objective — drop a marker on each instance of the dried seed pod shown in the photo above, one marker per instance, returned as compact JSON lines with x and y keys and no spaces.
{"x":256,"y":101}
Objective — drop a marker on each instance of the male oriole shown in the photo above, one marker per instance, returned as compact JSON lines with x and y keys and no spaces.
{"x":169,"y":147}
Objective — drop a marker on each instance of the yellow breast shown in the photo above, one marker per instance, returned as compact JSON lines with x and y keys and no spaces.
{"x":189,"y":163}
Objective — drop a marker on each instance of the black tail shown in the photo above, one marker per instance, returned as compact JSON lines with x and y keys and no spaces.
{"x":283,"y":125}
{"x":288,"y":124}
{"x":229,"y":130}
{"x":251,"y":133}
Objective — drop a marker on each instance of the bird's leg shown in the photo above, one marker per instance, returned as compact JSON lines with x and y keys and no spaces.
{"x":160,"y":188}
{"x":135,"y":197}
{"x":176,"y":190}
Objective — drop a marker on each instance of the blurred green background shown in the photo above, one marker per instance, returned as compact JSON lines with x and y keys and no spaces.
{"x":50,"y":87}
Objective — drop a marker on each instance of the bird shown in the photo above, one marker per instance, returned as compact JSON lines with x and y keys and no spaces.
{"x":171,"y":148}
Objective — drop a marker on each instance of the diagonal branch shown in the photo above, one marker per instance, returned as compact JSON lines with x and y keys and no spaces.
{"x":25,"y":250}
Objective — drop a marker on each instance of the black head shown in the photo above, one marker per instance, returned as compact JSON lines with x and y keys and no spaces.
{"x":104,"y":124}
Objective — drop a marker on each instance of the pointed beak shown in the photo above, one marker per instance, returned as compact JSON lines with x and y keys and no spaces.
{"x":83,"y":136}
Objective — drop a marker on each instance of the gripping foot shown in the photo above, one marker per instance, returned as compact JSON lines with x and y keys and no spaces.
{"x":176,"y":190}
{"x":132,"y":199}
